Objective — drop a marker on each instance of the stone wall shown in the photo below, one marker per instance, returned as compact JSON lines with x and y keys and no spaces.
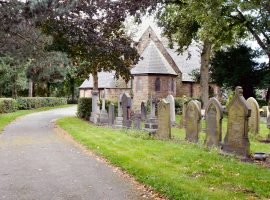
{"x":145,"y":86}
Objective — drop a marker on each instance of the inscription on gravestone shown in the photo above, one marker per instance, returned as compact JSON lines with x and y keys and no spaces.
{"x":254,"y":120}
{"x":236,"y":139}
{"x":164,"y":120}
{"x":213,"y":115}
{"x":193,"y":121}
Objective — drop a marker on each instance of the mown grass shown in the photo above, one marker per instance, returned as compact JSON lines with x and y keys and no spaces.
{"x":7,"y":118}
{"x":174,"y":168}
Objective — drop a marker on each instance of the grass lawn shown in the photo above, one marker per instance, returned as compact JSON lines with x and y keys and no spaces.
{"x":174,"y":168}
{"x":5,"y":119}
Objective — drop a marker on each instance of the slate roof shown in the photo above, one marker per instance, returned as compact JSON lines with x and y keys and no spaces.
{"x":105,"y":80}
{"x":152,"y":62}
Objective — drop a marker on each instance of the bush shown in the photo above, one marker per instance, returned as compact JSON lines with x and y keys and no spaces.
{"x":8,"y":105}
{"x":84,"y":107}
{"x":179,"y":102}
{"x":72,"y":101}
{"x":28,"y":103}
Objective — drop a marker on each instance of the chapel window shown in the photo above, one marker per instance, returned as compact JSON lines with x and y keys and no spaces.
{"x":157,"y":84}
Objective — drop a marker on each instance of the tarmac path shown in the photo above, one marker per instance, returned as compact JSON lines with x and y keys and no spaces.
{"x":38,"y":164}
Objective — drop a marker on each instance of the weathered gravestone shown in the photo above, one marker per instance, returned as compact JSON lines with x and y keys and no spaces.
{"x":236,"y":139}
{"x":103,"y":118}
{"x":111,"y":114}
{"x":164,"y":120}
{"x":213,"y":116}
{"x":137,"y":124}
{"x":193,"y":121}
{"x":126,"y":107}
{"x":254,"y":120}
{"x":170,"y":99}
{"x":151,"y":122}
{"x":143,"y":111}
{"x":184,"y":109}
{"x":119,"y":118}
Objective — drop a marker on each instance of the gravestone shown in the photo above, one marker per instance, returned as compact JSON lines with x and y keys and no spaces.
{"x":119,"y":118}
{"x":143,"y":111}
{"x":164,"y":120}
{"x":193,"y":121}
{"x":111,"y":114}
{"x":170,"y":99}
{"x":126,"y":108}
{"x":151,"y":122}
{"x":236,"y":139}
{"x":137,"y":124}
{"x":184,"y":109}
{"x":95,"y":109}
{"x":254,"y":120}
{"x":213,"y":116}
{"x":103,"y":118}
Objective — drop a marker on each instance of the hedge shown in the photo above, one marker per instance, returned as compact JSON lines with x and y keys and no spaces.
{"x":85,"y":107}
{"x":28,"y":103}
{"x":7,"y":105}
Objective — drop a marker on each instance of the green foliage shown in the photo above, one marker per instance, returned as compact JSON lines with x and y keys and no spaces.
{"x":84,"y":107}
{"x":236,"y":66}
{"x":7,"y":105}
{"x":28,"y":103}
{"x":179,"y":102}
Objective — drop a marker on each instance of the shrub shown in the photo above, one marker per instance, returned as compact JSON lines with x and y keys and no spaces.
{"x":28,"y":103}
{"x":107,"y":103}
{"x":84,"y":107}
{"x":8,"y":105}
{"x":179,"y":102}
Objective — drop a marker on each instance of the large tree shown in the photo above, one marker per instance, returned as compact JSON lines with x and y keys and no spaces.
{"x":236,"y":66}
{"x":89,"y":31}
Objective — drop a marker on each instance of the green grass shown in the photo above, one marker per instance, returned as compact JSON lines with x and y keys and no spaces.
{"x":174,"y":168}
{"x":5,"y":119}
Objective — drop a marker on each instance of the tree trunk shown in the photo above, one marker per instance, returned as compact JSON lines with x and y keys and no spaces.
{"x":204,"y":71}
{"x":268,"y":91}
{"x":95,"y":80}
{"x":72,"y":89}
{"x":30,"y":88}
{"x":48,"y":89}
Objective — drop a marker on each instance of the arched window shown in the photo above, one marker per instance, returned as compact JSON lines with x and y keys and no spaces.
{"x":157,"y":84}
{"x":171,"y":85}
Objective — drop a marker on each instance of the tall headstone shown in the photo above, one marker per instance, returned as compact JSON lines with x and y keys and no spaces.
{"x":111,"y":114}
{"x":126,"y":107}
{"x":103,"y":118}
{"x":213,"y":116}
{"x":119,"y":119}
{"x":137,"y":124}
{"x":254,"y":120}
{"x":193,"y":121}
{"x":184,"y":109}
{"x":151,"y":123}
{"x":164,"y":120}
{"x":95,"y":109}
{"x":143,"y":111}
{"x":170,"y":99}
{"x":236,"y":139}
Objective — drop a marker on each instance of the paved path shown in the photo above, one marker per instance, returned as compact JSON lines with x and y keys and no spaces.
{"x":37,"y":164}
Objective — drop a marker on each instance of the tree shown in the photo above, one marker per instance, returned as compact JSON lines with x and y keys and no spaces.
{"x":12,"y":76}
{"x":236,"y":66}
{"x":89,"y":31}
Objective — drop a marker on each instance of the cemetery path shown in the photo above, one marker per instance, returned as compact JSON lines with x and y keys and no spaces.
{"x":36,"y":163}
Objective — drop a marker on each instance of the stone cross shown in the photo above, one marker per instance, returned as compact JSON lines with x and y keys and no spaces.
{"x":143,"y":111}
{"x":126,"y":108}
{"x":193,"y":121}
{"x":236,"y":139}
{"x":254,"y":120}
{"x":164,"y":120}
{"x":170,"y":99}
{"x":213,"y":116}
{"x":111,"y":114}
